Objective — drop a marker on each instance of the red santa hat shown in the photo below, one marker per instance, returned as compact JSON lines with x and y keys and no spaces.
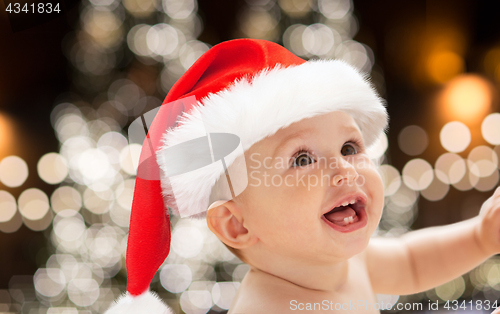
{"x":244,"y":87}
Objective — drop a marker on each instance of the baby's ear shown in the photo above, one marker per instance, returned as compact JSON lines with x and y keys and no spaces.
{"x":224,"y":219}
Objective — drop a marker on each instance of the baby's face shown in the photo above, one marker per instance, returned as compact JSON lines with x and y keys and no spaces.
{"x":297,"y":176}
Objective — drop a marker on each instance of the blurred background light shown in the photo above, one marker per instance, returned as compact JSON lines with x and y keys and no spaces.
{"x":318,"y":39}
{"x":33,"y":204}
{"x":8,"y":206}
{"x":444,"y":65}
{"x":391,"y":179}
{"x":83,"y":292}
{"x":190,"y":52}
{"x":335,"y":9}
{"x":175,"y":278}
{"x":65,"y":197}
{"x":13,"y":171}
{"x":469,"y":180}
{"x":450,"y":168}
{"x":187,"y":241}
{"x":490,"y":128}
{"x":413,"y":140}
{"x":455,"y":137}
{"x":404,"y":197}
{"x":379,"y":149}
{"x":417,"y":174}
{"x":466,"y":98}
{"x":355,"y":54}
{"x":129,"y":158}
{"x":140,"y":8}
{"x":179,"y":9}
{"x":259,"y":23}
{"x":488,"y":183}
{"x":196,"y":301}
{"x":52,"y":168}
{"x":49,"y":282}
{"x":223,"y":293}
{"x":484,"y":161}
{"x":6,"y":133}
{"x":492,"y":63}
{"x":451,"y":290}
{"x":292,"y":39}
{"x":295,"y":8}
{"x":437,"y":190}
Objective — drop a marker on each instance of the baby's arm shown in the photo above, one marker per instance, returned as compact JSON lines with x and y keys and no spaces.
{"x":423,"y":259}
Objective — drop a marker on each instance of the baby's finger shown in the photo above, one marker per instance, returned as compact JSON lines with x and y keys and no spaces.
{"x":497,"y":311}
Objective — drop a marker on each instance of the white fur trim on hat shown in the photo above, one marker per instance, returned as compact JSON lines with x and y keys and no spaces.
{"x":146,"y":303}
{"x":274,"y":99}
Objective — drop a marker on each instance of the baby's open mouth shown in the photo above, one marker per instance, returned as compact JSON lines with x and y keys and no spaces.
{"x":344,"y":214}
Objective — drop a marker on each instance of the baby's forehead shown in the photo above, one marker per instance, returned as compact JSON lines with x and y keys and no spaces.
{"x":314,"y":127}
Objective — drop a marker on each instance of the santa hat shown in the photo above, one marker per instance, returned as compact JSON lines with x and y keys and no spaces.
{"x":244,"y":88}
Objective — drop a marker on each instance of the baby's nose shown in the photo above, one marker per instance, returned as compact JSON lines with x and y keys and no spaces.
{"x":346,"y":173}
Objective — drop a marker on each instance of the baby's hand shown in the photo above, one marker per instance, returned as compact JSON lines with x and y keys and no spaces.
{"x":488,"y":228}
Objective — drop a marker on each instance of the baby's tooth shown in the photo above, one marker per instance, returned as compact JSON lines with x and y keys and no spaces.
{"x":346,"y":220}
{"x":352,"y":202}
{"x":351,"y":219}
{"x":345,"y":203}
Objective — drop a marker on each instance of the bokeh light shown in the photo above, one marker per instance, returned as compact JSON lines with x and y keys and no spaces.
{"x":444,"y":65}
{"x":8,"y":206}
{"x":223,"y":293}
{"x":466,"y":98}
{"x":129,"y":158}
{"x":65,"y":197}
{"x":50,"y":282}
{"x":451,"y":290}
{"x":33,"y":204}
{"x":175,"y":278}
{"x":404,"y":197}
{"x":490,"y":128}
{"x":335,"y":9}
{"x":450,"y":168}
{"x":487,"y":183}
{"x":413,"y":140}
{"x":52,"y":168}
{"x":437,"y":190}
{"x":13,"y":171}
{"x":187,"y":241}
{"x":391,"y":179}
{"x":483,"y":161}
{"x":492,"y":63}
{"x":417,"y":174}
{"x":259,"y":23}
{"x":469,"y":180}
{"x":455,"y":137}
{"x":13,"y":224}
{"x":380,"y":147}
{"x":140,"y":8}
{"x":295,"y":8}
{"x":179,"y":9}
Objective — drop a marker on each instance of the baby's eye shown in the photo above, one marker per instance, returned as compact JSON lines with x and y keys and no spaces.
{"x":302,"y":159}
{"x":348,"y":149}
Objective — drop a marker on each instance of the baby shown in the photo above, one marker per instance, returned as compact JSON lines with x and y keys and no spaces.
{"x":277,"y":150}
{"x":308,"y":245}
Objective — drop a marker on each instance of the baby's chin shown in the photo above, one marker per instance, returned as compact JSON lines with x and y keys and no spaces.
{"x":350,"y":247}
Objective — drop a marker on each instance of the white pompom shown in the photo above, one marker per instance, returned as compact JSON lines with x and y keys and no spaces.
{"x":146,"y":303}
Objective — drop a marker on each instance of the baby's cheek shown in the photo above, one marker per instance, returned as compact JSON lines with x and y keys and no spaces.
{"x":377,"y":195}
